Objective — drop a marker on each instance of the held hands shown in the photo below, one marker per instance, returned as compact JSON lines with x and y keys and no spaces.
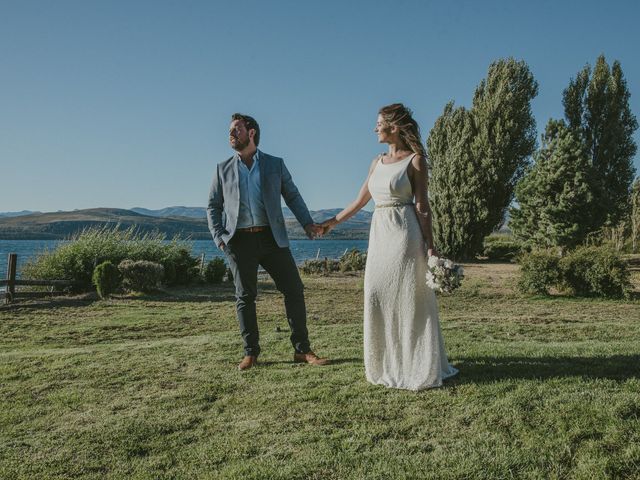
{"x":328,"y":225}
{"x":315,"y":230}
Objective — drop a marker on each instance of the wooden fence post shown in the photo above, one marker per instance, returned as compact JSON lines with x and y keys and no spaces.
{"x":202,"y":264}
{"x":12,"y":263}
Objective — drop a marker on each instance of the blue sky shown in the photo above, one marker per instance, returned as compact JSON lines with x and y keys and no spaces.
{"x":127,"y":103}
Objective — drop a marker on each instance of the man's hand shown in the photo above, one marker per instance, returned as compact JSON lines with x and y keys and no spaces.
{"x":221,"y":246}
{"x":313,"y":230}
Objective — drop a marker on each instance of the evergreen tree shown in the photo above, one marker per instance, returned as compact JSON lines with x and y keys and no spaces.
{"x":554,"y":197}
{"x":455,"y":188}
{"x":597,"y":108}
{"x":478,"y":155}
{"x":506,"y":134}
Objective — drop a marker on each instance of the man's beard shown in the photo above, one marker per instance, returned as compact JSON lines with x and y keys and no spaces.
{"x":240,"y":145}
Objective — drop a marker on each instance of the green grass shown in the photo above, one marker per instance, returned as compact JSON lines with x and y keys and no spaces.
{"x":147,"y":387}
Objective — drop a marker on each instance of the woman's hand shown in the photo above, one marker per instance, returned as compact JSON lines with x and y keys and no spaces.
{"x":328,"y":225}
{"x":432,"y":252}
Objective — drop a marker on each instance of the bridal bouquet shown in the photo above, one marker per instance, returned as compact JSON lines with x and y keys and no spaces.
{"x":443,"y":275}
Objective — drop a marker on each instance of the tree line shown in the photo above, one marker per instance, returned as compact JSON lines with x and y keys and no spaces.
{"x":578,"y":181}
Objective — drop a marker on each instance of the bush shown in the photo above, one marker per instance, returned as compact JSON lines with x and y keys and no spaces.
{"x":216,"y":268}
{"x":106,"y":279}
{"x":353,"y":261}
{"x":539,"y":271}
{"x":590,"y":271}
{"x":180,"y":268}
{"x":141,"y":275}
{"x":596,"y":271}
{"x":321,"y":267}
{"x":77,"y":259}
{"x":501,"y":248}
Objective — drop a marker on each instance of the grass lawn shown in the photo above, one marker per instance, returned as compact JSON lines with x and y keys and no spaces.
{"x":147,"y":387}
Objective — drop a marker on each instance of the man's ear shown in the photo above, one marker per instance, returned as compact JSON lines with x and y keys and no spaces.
{"x":252,"y":133}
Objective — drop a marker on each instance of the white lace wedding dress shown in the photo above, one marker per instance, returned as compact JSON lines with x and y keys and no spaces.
{"x":403,"y":345}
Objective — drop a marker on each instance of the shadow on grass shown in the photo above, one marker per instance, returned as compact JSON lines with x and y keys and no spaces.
{"x":491,"y":369}
{"x":48,"y":303}
{"x":189,"y":294}
{"x":186,"y":297}
{"x":332,"y":361}
{"x":224,"y":292}
{"x":567,"y":297}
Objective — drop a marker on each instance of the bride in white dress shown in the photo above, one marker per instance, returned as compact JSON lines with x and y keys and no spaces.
{"x":403,"y":344}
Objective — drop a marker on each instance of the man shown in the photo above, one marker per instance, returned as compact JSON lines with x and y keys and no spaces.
{"x":247,"y":189}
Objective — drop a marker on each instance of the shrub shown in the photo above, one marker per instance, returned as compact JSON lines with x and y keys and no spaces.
{"x":320,"y":266}
{"x":353,"y":261}
{"x":106,"y":279}
{"x":539,"y":271}
{"x":76,"y":259}
{"x":216,"y":268}
{"x":596,"y":271}
{"x":501,"y":248}
{"x":141,"y":275}
{"x":179,"y":266}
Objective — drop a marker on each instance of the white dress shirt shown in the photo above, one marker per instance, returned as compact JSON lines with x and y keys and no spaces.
{"x":252,"y":212}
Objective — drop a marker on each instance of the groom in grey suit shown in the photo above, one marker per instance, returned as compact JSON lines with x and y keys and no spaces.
{"x":246,"y":222}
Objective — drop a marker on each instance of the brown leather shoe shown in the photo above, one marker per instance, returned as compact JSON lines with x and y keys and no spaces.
{"x":310,"y":358}
{"x":248,"y":362}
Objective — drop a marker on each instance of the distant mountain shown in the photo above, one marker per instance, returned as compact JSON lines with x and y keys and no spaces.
{"x":16,"y":214}
{"x":201,"y":212}
{"x":356,"y":227}
{"x":60,"y":225}
{"x":192,"y":212}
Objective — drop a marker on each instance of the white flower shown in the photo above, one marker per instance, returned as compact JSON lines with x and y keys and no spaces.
{"x":433,"y":261}
{"x":440,"y":261}
{"x":448,"y":264}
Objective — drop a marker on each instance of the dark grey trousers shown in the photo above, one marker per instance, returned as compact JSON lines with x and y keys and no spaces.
{"x":245,"y":252}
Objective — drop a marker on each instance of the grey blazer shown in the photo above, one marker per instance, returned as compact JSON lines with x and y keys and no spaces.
{"x":275,"y":181}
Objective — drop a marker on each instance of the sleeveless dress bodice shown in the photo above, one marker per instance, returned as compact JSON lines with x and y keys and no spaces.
{"x":389,"y":182}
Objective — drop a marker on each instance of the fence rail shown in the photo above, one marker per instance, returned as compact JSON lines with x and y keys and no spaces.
{"x":12,"y":282}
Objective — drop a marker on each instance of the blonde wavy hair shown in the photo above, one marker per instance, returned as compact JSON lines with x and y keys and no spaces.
{"x":400,"y":116}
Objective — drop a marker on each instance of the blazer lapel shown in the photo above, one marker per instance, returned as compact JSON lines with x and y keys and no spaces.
{"x":263,"y":172}
{"x":235,"y":177}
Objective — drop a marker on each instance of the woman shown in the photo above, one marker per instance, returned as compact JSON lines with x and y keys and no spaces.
{"x":403,"y":345}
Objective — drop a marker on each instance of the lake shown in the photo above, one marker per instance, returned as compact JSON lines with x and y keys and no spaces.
{"x":301,"y":249}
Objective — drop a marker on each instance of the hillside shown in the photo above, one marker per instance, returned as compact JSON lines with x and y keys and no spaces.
{"x":60,"y":225}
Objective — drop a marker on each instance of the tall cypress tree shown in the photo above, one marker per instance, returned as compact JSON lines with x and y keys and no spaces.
{"x":597,"y":108}
{"x":478,"y":155}
{"x":506,"y":134}
{"x":554,"y":197}
{"x":455,"y":188}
